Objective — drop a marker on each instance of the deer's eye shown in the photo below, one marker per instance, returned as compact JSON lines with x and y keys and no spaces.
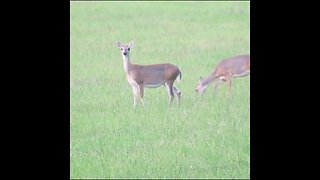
{"x":128,"y":49}
{"x":121,"y":49}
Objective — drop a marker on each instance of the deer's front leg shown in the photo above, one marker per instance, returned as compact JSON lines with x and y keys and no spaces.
{"x":135,"y":91}
{"x":230,"y":84}
{"x":219,"y":82}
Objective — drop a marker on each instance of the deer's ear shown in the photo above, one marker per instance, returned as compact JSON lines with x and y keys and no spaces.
{"x":118,"y":44}
{"x":131,"y":44}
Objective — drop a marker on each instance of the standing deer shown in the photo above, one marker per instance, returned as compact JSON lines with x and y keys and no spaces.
{"x":238,"y":66}
{"x":150,"y":76}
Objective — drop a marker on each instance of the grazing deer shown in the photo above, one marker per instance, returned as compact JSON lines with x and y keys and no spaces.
{"x":150,"y":76}
{"x":238,"y":66}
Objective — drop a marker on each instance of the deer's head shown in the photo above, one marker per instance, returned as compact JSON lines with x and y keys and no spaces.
{"x":125,"y":49}
{"x":201,"y":86}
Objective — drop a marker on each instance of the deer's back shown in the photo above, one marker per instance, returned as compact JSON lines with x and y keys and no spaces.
{"x":235,"y":65}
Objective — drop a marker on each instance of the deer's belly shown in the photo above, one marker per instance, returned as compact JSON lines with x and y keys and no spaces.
{"x":132,"y":82}
{"x":155,"y":85}
{"x":241,"y":74}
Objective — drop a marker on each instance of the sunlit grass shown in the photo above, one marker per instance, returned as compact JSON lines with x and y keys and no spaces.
{"x":206,"y":137}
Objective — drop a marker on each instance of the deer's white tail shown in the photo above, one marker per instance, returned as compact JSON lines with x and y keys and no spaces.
{"x":180,"y":75}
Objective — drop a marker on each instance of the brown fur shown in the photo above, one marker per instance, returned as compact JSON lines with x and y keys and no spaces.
{"x":227,"y":69}
{"x":154,"y":75}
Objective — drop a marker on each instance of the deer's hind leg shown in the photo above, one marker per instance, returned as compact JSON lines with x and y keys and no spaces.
{"x":177,"y":93}
{"x":141,"y":89}
{"x":169,"y":85}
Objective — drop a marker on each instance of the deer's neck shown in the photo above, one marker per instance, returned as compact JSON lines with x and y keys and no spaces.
{"x":209,"y":79}
{"x":126,"y":63}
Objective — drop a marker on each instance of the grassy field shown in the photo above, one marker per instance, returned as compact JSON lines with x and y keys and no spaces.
{"x":206,"y":137}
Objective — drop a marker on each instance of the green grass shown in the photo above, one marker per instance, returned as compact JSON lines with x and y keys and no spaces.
{"x":206,"y":137}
